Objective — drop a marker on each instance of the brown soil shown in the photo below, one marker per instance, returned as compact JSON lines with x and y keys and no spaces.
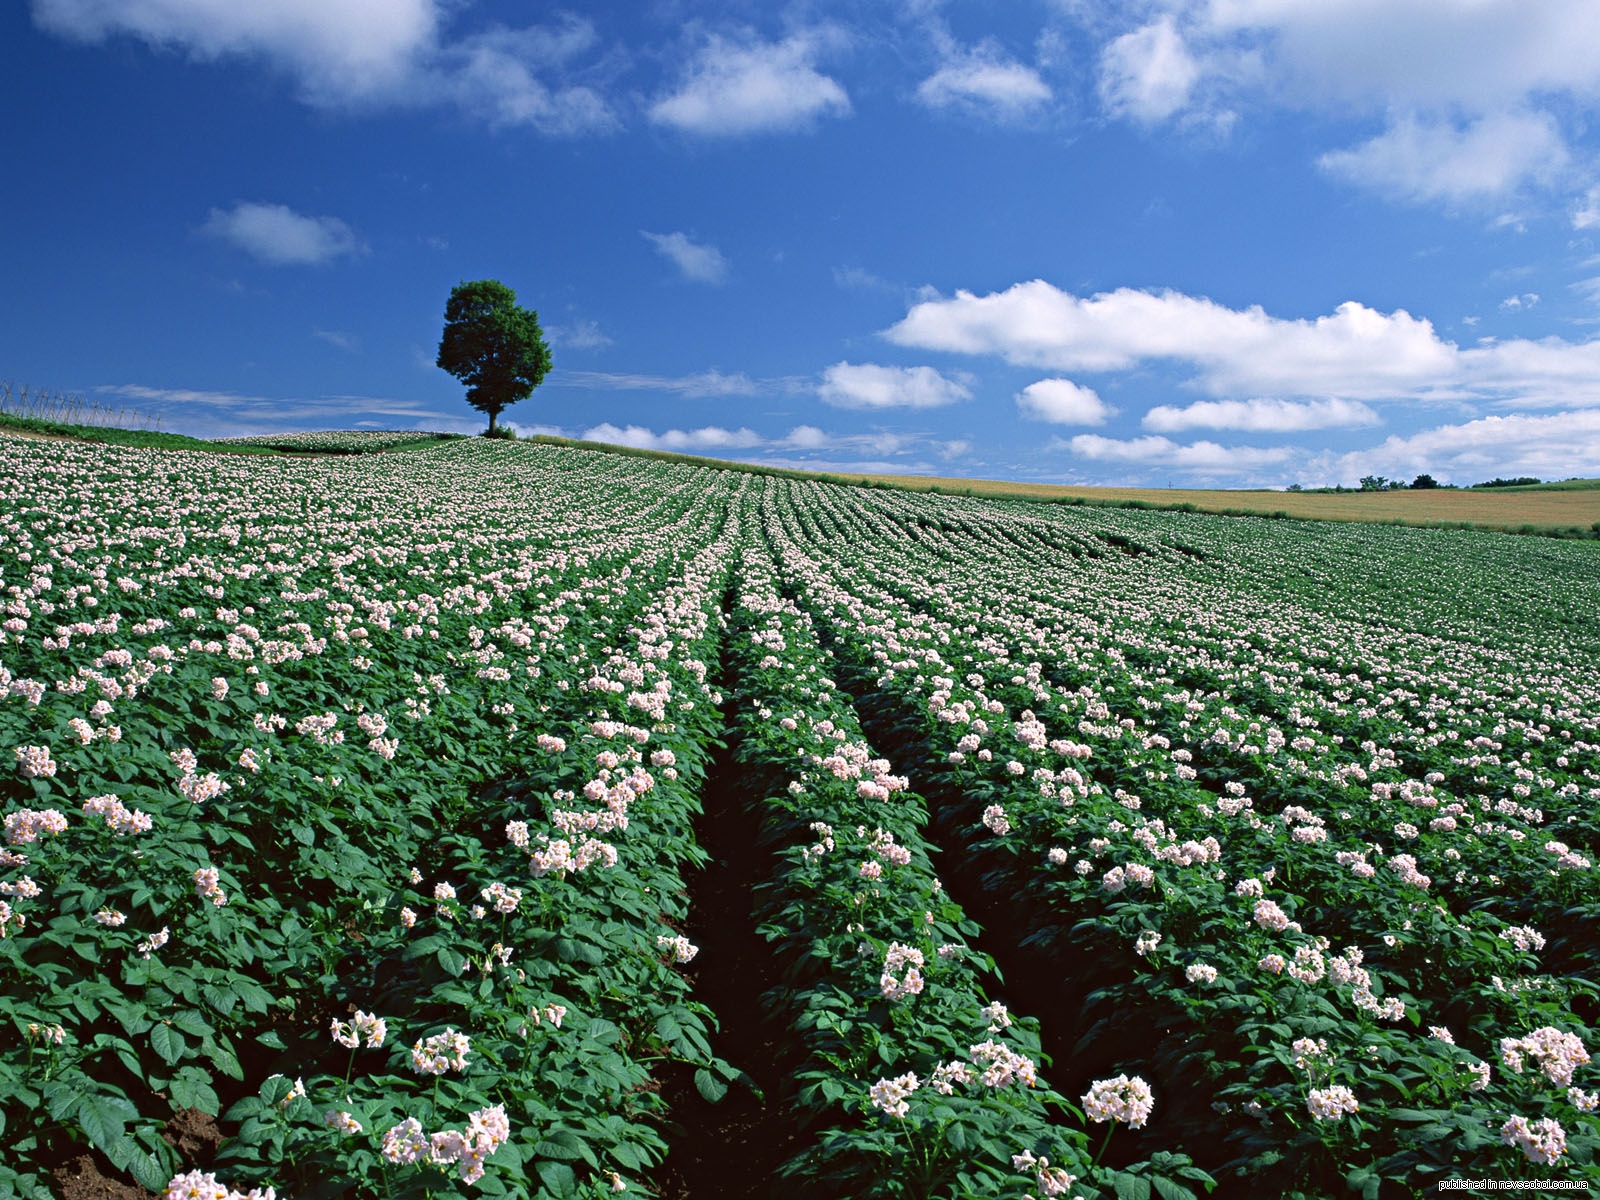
{"x":194,"y":1135}
{"x":731,"y":1149}
{"x":80,"y":1179}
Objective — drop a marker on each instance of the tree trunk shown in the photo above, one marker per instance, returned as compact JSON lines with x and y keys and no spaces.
{"x":492,"y":415}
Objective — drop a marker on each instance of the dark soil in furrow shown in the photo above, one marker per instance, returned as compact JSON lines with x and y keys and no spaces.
{"x":1084,"y":1038}
{"x":732,"y":1148}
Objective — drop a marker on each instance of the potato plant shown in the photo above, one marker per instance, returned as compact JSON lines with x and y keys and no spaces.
{"x":350,"y":808}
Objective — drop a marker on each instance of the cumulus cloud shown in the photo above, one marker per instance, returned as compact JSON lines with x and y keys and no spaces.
{"x":364,"y":53}
{"x":1147,"y":74}
{"x":807,"y":437}
{"x":277,"y":235}
{"x":699,"y":263}
{"x":1260,"y":416}
{"x":1200,"y":458}
{"x":1551,"y":446}
{"x":985,"y":81}
{"x":1356,"y":352}
{"x":1420,"y":159}
{"x":710,"y":437}
{"x":1063,"y":402}
{"x":802,"y":440}
{"x":868,"y":385}
{"x":1473,"y":96}
{"x":744,"y":87}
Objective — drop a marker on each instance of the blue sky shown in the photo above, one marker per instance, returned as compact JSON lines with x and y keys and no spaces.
{"x":1162,"y":242}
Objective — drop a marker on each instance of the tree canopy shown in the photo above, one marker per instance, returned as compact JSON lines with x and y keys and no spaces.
{"x":493,"y":346}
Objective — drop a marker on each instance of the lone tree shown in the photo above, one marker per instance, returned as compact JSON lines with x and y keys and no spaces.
{"x":494,"y":347}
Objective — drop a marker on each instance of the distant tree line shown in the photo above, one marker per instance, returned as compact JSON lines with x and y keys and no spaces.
{"x":1519,"y":481}
{"x":1378,"y":483}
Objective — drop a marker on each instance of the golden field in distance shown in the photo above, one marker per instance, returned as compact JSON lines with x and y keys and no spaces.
{"x":1572,"y":506}
{"x":1575,"y":503}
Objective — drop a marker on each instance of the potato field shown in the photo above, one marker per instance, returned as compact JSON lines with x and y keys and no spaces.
{"x":496,"y":819}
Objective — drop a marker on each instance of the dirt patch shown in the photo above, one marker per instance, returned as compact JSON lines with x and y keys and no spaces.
{"x":80,"y":1179}
{"x":195,"y":1135}
{"x":732,"y":1149}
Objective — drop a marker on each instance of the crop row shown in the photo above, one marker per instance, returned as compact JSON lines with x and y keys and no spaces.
{"x":917,"y":1084}
{"x":1095,"y":811}
{"x":273,"y":797}
{"x":350,"y":833}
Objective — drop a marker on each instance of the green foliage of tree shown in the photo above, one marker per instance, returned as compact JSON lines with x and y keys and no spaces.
{"x":493,"y":346}
{"x":1424,"y":481}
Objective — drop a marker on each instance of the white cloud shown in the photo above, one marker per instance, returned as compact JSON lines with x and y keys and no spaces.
{"x":807,"y":437}
{"x":699,"y":263}
{"x":1553,"y":446}
{"x":882,"y":442}
{"x":580,"y":334}
{"x":1356,"y":352}
{"x":208,"y":413}
{"x":1422,"y":160}
{"x":735,"y":88}
{"x":860,"y":279}
{"x":496,"y":74}
{"x":1200,"y":458}
{"x":1476,"y":56}
{"x":1518,"y":303}
{"x":364,"y":53}
{"x":276,"y":234}
{"x":135,"y":391}
{"x":340,"y":49}
{"x":337,"y":337}
{"x":1587,"y":214}
{"x":868,"y":385}
{"x":1063,"y":402}
{"x":537,"y":430}
{"x":984,"y":80}
{"x":1260,"y":416}
{"x":1474,"y":94}
{"x":710,"y":437}
{"x":1148,"y":74}
{"x":700,"y":384}
{"x":748,"y":445}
